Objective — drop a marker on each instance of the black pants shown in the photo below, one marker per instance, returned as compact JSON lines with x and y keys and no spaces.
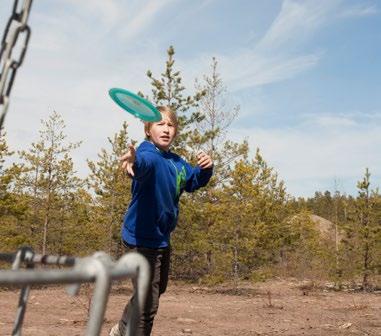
{"x":159,"y":260}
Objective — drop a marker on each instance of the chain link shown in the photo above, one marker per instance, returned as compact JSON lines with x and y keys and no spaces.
{"x":9,"y":63}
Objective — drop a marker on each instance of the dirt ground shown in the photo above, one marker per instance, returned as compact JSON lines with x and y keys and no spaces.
{"x":281,"y":307}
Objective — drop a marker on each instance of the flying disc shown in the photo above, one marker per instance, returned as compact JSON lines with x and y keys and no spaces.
{"x":134,"y":104}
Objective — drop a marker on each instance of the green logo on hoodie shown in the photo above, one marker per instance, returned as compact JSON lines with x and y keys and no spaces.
{"x":180,"y":180}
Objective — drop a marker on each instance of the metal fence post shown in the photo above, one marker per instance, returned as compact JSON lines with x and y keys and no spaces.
{"x":98,"y":268}
{"x":25,"y":290}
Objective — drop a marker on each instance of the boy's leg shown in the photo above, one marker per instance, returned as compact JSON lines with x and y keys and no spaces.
{"x":164,"y":270}
{"x":158,"y":261}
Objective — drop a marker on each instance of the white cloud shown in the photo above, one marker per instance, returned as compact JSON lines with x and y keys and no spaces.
{"x":251,"y":69}
{"x":107,"y":12}
{"x":360,"y":11}
{"x":280,"y":53}
{"x":328,"y":121}
{"x":79,"y":49}
{"x":341,"y":121}
{"x":318,"y":151}
{"x":297,"y":21}
{"x":142,"y":18}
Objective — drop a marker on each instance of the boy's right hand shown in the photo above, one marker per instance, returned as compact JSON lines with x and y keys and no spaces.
{"x":128,"y":160}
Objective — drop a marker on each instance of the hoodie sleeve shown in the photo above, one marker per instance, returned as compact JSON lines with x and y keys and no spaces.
{"x":143,"y":165}
{"x":197,"y":177}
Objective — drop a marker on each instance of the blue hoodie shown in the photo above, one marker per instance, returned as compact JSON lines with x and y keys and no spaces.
{"x":160,"y":178}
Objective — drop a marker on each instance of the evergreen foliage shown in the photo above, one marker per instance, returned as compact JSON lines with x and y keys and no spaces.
{"x":45,"y":183}
{"x":169,"y":90}
{"x":111,"y":188}
{"x":242,"y":225}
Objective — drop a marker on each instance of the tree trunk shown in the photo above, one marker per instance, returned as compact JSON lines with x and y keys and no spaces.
{"x":45,"y":234}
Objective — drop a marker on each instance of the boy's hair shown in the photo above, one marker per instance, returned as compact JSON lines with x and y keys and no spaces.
{"x":164,"y":110}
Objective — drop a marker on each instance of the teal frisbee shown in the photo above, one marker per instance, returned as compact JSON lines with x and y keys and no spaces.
{"x":135,"y":105}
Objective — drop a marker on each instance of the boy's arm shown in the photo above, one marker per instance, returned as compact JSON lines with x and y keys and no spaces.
{"x":128,"y":160}
{"x":136,"y":166}
{"x":199,"y":176}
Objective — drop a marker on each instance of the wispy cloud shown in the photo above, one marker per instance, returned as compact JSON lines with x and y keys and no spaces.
{"x":79,"y":49}
{"x":297,"y":21}
{"x":331,"y":121}
{"x":141,"y":18}
{"x":107,"y":12}
{"x":280,"y":54}
{"x":320,"y":149}
{"x":250,"y":70}
{"x":340,"y":121}
{"x":360,"y":11}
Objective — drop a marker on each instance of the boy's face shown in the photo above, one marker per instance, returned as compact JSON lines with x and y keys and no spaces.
{"x":162,"y":133}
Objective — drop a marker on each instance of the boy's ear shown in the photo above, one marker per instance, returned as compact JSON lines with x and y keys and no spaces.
{"x":147,"y":134}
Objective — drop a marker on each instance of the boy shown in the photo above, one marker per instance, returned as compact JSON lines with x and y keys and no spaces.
{"x":159,"y":178}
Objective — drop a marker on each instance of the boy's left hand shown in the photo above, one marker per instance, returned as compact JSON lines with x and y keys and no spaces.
{"x":204,"y":160}
{"x":128,"y":160}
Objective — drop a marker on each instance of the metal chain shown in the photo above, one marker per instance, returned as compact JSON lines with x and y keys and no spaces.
{"x":17,"y":26}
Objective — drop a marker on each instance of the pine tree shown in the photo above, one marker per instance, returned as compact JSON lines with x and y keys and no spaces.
{"x":47,"y":176}
{"x":368,"y":226}
{"x":111,"y":187}
{"x":360,"y":248}
{"x":5,"y":177}
{"x":243,"y":222}
{"x":212,"y":130}
{"x":305,"y":252}
{"x":209,"y":134}
{"x":12,"y":208}
{"x":168,"y":90}
{"x":78,"y":235}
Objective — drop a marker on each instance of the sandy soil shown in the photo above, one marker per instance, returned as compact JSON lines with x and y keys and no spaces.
{"x":273,"y":308}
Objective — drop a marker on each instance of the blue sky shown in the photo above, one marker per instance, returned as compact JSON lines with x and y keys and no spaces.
{"x":306,"y":74}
